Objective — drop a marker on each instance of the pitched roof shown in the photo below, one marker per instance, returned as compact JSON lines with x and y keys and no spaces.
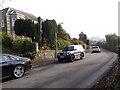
{"x":10,"y":10}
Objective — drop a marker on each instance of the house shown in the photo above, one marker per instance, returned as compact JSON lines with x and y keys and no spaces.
{"x":8,"y":16}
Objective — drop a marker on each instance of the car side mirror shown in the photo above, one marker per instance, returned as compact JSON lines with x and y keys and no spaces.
{"x":17,"y":58}
{"x":75,"y":49}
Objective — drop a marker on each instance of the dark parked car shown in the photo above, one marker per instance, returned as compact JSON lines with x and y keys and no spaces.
{"x":13,"y":66}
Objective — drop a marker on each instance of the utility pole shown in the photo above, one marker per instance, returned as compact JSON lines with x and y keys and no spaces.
{"x":56,"y":45}
{"x":56,"y":41}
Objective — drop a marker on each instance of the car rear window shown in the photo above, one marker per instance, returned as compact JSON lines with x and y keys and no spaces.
{"x":95,"y":47}
{"x":0,"y":58}
{"x":4,"y":58}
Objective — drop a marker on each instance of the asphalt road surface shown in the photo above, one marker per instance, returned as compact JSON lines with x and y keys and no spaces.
{"x":78,"y":74}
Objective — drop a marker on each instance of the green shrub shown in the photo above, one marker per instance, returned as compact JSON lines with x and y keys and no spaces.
{"x":30,"y":55}
{"x":22,"y":46}
{"x":17,"y":45}
{"x":28,"y":46}
{"x":6,"y":40}
{"x":61,"y":44}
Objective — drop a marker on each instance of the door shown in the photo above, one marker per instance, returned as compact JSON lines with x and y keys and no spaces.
{"x":6,"y":66}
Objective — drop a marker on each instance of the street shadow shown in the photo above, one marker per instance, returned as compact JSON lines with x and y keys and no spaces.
{"x":7,"y":79}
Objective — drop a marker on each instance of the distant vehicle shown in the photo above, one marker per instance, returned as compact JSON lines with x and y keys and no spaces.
{"x":13,"y":66}
{"x":71,"y":53}
{"x":95,"y":49}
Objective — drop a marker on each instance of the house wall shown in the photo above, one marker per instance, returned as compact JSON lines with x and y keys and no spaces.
{"x":8,"y":26}
{"x":0,"y":21}
{"x":9,"y":16}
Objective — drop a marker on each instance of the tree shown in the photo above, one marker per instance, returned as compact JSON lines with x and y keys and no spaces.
{"x":112,"y":42}
{"x":88,"y":42}
{"x":49,"y":30}
{"x":76,"y":41}
{"x":83,"y":37}
{"x":62,"y":34}
{"x":38,"y":32}
{"x":25,"y":28}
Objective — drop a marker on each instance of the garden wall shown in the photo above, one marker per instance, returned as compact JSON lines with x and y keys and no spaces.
{"x":46,"y":54}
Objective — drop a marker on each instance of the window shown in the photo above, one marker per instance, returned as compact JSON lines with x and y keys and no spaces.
{"x":5,"y":58}
{"x":2,"y":23}
{"x":13,"y":21}
{"x":13,"y":58}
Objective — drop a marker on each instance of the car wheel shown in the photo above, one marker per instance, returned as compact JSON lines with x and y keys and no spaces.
{"x":81,"y":55}
{"x":19,"y":71}
{"x":72,"y":58}
{"x":60,"y":61}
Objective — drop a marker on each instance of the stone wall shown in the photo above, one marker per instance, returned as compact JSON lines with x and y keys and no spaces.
{"x":49,"y":54}
{"x":46,"y":54}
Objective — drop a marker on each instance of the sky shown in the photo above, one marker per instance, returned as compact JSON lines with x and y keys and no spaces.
{"x":95,"y":18}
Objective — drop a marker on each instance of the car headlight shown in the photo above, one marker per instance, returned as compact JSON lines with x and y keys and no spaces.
{"x":58,"y":54}
{"x":28,"y":59}
{"x":68,"y":53}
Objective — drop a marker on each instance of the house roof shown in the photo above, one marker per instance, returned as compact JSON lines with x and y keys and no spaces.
{"x":9,"y":11}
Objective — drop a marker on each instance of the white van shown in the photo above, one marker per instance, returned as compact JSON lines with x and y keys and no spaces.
{"x":71,"y":53}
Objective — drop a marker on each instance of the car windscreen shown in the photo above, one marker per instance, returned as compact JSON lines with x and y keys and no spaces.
{"x":70,"y":48}
{"x":95,"y":47}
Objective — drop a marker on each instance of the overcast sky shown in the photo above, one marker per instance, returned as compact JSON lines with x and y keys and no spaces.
{"x":96,"y":18}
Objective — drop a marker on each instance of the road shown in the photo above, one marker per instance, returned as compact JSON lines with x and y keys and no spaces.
{"x":77,"y":74}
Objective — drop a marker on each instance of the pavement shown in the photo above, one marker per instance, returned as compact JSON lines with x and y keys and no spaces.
{"x":40,"y":63}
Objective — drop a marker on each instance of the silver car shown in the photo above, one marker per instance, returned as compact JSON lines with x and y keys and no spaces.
{"x":95,"y":49}
{"x":70,"y":53}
